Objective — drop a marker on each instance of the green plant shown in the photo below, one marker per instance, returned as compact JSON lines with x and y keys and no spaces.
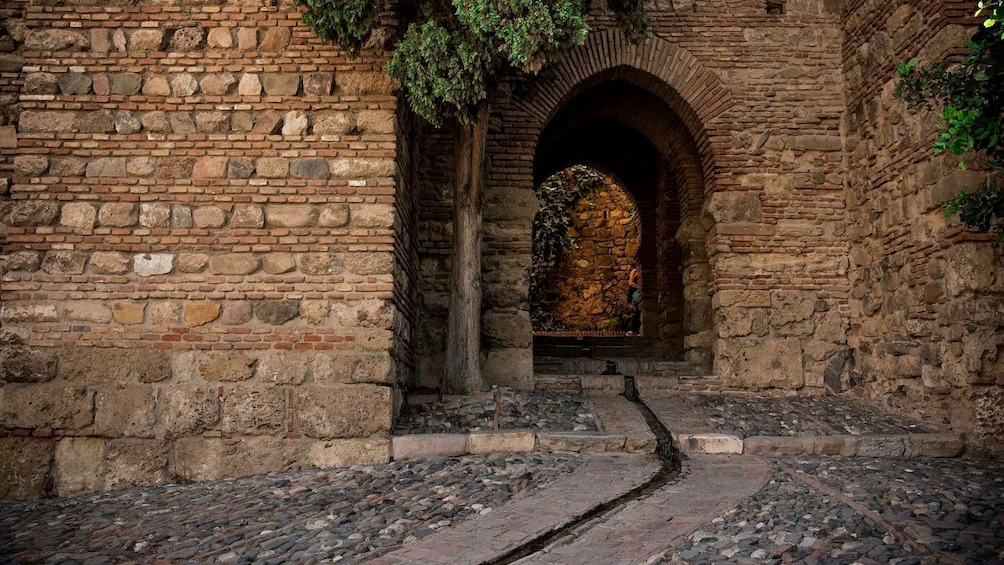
{"x":971,"y":96}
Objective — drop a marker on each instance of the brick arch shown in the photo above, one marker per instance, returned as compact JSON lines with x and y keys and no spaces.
{"x":693,"y":92}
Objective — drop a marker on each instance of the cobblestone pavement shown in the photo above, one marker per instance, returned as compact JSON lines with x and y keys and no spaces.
{"x":864,"y":511}
{"x":534,"y":410}
{"x":302,"y":517}
{"x":746,"y":415}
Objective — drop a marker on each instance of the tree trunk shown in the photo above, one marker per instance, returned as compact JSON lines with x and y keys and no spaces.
{"x":463,"y":338}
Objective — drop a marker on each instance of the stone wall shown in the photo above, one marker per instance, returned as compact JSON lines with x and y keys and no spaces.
{"x":590,"y":282}
{"x":202,"y":262}
{"x":927,"y":299}
{"x":752,"y":102}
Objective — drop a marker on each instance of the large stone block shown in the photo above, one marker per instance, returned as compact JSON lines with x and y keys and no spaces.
{"x":87,"y":311}
{"x":22,"y":364}
{"x":64,"y":262}
{"x":253,"y":410}
{"x":46,"y":406}
{"x":277,"y":312}
{"x":201,"y":313}
{"x":290,"y":216}
{"x":230,"y":366}
{"x":507,"y":329}
{"x":376,"y":368}
{"x":48,"y":122}
{"x":55,"y":39}
{"x":936,"y":445}
{"x":343,"y":411}
{"x":25,"y":465}
{"x":79,"y":215}
{"x":368,"y":262}
{"x":320,"y":263}
{"x":882,"y":445}
{"x":502,"y":442}
{"x":348,"y":452}
{"x":126,"y":412}
{"x":195,"y":459}
{"x":118,"y":214}
{"x":370,"y":313}
{"x":33,"y":213}
{"x":362,"y":168}
{"x":778,"y":446}
{"x":429,"y":446}
{"x":106,"y":365}
{"x":509,"y":367}
{"x":20,"y":312}
{"x":80,"y":465}
{"x":283,"y":367}
{"x":760,"y":363}
{"x":233,"y":264}
{"x":580,"y":442}
{"x":189,"y":409}
{"x":133,"y":463}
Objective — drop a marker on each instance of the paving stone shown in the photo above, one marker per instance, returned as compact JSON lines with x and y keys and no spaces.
{"x":428,"y":446}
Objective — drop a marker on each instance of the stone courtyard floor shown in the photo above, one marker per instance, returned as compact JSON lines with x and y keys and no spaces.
{"x":546,"y":508}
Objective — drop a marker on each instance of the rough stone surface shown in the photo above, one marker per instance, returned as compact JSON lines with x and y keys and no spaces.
{"x":118,"y":214}
{"x":24,"y":467}
{"x":151,"y":264}
{"x":234,"y":264}
{"x":201,"y":313}
{"x":46,"y":406}
{"x":247,"y":216}
{"x":79,"y":215}
{"x":189,"y":408}
{"x":125,"y":412}
{"x":253,"y":410}
{"x":64,"y":262}
{"x":277,"y":312}
{"x":227,"y":367}
{"x":342,"y":411}
{"x":88,"y":365}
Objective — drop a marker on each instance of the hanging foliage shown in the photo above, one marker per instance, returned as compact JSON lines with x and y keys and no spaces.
{"x":971,"y":97}
{"x":557,"y":196}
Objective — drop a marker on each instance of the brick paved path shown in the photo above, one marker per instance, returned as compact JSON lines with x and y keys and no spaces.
{"x":646,"y":527}
{"x":601,"y":479}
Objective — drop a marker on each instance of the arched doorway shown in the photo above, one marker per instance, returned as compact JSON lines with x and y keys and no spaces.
{"x":626,"y":129}
{"x":584,"y":277}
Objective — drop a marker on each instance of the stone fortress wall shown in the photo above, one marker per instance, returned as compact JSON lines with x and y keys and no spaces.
{"x":226,"y":245}
{"x":927,"y":296}
{"x":200,"y":248}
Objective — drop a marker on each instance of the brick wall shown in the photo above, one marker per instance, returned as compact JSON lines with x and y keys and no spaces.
{"x":750,"y":108}
{"x":927,"y":296}
{"x":203,"y":270}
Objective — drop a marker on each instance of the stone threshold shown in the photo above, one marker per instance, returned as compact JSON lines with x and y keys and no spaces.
{"x":928,"y":445}
{"x":622,"y":430}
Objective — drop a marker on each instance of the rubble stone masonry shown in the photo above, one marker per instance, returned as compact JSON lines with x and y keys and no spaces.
{"x":199,"y":248}
{"x":226,"y":245}
{"x":927,"y":296}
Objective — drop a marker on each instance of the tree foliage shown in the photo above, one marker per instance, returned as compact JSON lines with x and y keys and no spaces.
{"x":557,"y":195}
{"x":453,"y":52}
{"x":971,"y":97}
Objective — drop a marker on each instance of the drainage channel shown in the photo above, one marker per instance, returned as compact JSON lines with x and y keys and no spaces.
{"x":671,"y":465}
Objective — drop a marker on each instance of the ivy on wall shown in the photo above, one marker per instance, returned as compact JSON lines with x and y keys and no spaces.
{"x":557,"y":195}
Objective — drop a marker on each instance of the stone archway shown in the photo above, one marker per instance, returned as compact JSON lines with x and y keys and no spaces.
{"x":652,"y":103}
{"x":682,"y":98}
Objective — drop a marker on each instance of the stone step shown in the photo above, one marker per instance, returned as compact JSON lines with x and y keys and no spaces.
{"x":608,"y":384}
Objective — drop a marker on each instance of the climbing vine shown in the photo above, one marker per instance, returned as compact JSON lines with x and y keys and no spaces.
{"x":557,"y":195}
{"x":971,"y":97}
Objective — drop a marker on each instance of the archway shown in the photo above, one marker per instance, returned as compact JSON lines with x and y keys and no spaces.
{"x":633,"y":133}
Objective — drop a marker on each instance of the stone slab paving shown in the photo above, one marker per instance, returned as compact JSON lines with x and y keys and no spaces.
{"x":601,"y":479}
{"x":524,"y":410}
{"x":645,"y":527}
{"x":861,"y":510}
{"x":302,"y":517}
{"x":777,"y":426}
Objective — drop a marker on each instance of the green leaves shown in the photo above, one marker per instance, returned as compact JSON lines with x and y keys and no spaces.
{"x":971,"y":97}
{"x":442,"y":73}
{"x":345,"y":22}
{"x":526,"y":33}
